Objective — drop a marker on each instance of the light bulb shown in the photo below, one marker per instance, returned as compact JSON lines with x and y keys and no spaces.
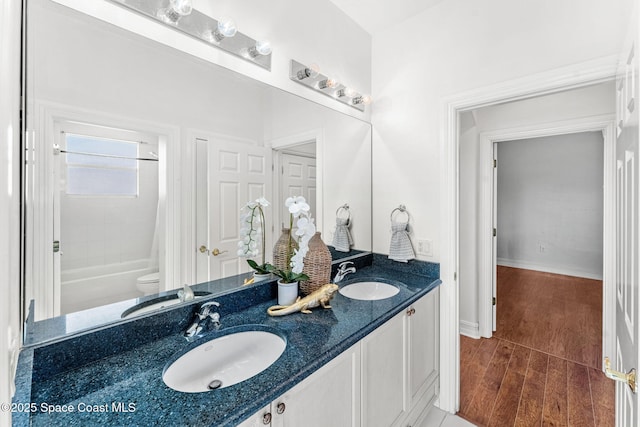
{"x":176,"y":10}
{"x":226,"y":27}
{"x":311,"y":71}
{"x":262,"y":47}
{"x":182,"y":7}
{"x":364,"y":100}
{"x":351,"y":93}
{"x":328,"y":83}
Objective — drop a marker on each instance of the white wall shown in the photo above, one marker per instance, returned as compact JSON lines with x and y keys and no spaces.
{"x":456,"y":46}
{"x":550,"y":204}
{"x":9,"y":199}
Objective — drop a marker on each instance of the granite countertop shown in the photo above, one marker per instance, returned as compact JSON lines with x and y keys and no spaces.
{"x":126,"y":388}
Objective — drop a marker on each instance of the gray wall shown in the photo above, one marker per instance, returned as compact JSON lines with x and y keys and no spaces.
{"x":550,"y":204}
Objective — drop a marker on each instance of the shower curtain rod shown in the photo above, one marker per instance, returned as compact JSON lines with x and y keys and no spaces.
{"x":57,"y":151}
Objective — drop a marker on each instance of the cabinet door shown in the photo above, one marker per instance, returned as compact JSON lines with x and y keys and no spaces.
{"x":423,"y":344}
{"x":329,"y":397}
{"x":384,"y":363}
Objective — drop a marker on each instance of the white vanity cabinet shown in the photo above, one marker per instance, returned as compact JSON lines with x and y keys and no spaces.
{"x":400,"y":366}
{"x":329,"y":397}
{"x":389,"y":378}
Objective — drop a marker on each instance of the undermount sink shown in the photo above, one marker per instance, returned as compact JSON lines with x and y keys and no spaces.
{"x":157,"y":304}
{"x":224,"y":361}
{"x":369,"y":291}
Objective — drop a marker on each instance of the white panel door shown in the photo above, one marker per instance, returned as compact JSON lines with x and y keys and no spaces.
{"x":627,"y":256}
{"x":299,"y":178}
{"x":229,"y":173}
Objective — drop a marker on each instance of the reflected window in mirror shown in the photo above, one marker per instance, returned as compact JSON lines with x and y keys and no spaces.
{"x":100,"y":166}
{"x":105,"y":210}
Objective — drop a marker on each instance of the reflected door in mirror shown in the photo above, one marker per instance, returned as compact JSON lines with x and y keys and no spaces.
{"x":229,"y":173}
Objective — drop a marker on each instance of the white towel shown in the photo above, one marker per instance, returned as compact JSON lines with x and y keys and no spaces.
{"x":401,"y":249}
{"x":342,"y":239}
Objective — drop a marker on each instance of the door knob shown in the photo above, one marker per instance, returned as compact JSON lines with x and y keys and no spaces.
{"x":628,"y":378}
{"x":203,"y":249}
{"x":216,"y":252}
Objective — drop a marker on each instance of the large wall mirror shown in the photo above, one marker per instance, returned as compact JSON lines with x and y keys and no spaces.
{"x":141,"y":156}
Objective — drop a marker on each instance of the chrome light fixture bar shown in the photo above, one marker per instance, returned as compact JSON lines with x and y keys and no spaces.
{"x":221,"y":34}
{"x":311,"y":77}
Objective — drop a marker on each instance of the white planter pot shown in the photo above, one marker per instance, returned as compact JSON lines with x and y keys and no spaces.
{"x":287,"y":293}
{"x":257,"y":277}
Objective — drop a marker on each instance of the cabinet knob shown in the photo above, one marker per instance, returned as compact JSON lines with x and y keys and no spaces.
{"x":411,"y":311}
{"x":266,"y":418}
{"x":281,"y":408}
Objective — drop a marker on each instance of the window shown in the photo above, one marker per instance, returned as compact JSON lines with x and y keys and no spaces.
{"x":100,"y":166}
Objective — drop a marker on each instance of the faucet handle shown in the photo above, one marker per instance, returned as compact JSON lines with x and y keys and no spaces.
{"x":344,"y":265}
{"x":209,"y":304}
{"x":205,"y":309}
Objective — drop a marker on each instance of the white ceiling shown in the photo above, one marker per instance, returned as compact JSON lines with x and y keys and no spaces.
{"x":375,"y":15}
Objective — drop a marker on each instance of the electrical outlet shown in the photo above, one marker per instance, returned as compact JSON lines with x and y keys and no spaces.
{"x":542,"y":247}
{"x":425,"y":247}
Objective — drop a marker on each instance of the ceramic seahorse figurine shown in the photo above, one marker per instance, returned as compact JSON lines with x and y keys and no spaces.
{"x":321,"y":297}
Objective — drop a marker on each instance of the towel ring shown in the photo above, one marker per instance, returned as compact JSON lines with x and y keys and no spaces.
{"x":401,"y":209}
{"x":345,"y":208}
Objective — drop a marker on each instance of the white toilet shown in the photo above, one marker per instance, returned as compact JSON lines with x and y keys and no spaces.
{"x":149,"y":284}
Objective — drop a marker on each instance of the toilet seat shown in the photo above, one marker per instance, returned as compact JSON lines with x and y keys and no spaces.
{"x":149,"y":283}
{"x":149,"y":278}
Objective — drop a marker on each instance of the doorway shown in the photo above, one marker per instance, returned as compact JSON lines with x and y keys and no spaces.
{"x":296,"y":176}
{"x":547,"y":346}
{"x":555,"y":81}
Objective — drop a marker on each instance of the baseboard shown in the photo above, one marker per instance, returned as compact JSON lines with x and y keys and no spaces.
{"x":470,"y":329}
{"x":547,"y":269}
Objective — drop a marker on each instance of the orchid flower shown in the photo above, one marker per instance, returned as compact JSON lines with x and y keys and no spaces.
{"x":306,"y":229}
{"x":251,"y":232}
{"x":297,"y":206}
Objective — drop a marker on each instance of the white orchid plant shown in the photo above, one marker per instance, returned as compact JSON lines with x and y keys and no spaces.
{"x":305,"y":229}
{"x":251,"y":231}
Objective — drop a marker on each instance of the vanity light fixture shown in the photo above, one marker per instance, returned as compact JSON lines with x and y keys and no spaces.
{"x":311,"y":77}
{"x":222,"y":33}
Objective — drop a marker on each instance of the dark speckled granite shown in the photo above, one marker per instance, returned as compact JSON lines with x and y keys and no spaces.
{"x":131,"y":372}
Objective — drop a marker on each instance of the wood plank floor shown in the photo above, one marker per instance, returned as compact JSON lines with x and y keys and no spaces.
{"x":526,"y":375}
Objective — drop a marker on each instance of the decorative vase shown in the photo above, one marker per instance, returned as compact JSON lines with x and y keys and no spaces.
{"x":258,"y":277}
{"x":280,"y":250}
{"x":287,"y":293}
{"x":317,"y":265}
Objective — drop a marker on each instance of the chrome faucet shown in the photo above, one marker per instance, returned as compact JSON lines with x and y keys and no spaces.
{"x":343,"y":270}
{"x":186,"y":294}
{"x":206,"y":312}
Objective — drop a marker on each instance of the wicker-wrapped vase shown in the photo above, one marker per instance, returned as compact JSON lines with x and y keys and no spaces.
{"x":280,"y":250}
{"x":317,"y":265}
